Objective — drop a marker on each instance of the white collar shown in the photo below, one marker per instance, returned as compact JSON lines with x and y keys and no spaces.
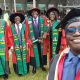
{"x":35,"y":19}
{"x":20,"y":25}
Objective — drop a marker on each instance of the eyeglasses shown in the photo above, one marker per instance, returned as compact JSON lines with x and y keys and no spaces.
{"x":71,"y":30}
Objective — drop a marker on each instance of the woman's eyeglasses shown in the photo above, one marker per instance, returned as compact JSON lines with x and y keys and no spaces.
{"x":71,"y":30}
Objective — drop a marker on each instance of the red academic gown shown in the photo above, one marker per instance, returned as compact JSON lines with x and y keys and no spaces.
{"x":63,"y":41}
{"x":12,"y":43}
{"x":7,"y":45}
{"x":30,"y":50}
{"x":30,"y":57}
{"x":46,"y":42}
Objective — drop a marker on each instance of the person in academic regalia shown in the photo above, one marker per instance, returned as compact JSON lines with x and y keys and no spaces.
{"x":52,"y":21}
{"x":66,"y":66}
{"x":19,"y":42}
{"x":4,"y":47}
{"x":62,"y":44}
{"x":36,"y":26}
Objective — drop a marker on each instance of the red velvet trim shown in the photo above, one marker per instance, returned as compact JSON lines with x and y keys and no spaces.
{"x":60,"y":67}
{"x":46,"y":46}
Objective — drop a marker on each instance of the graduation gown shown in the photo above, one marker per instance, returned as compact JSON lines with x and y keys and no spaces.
{"x":25,"y":56}
{"x":52,"y":38}
{"x":4,"y":47}
{"x":63,"y":44}
{"x":57,"y":65}
{"x":46,"y":44}
{"x":37,"y":54}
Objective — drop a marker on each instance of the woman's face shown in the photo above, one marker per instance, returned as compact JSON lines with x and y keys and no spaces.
{"x":73,"y":36}
{"x":17,"y":19}
{"x":52,"y":16}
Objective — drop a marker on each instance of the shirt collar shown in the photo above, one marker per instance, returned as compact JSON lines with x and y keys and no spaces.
{"x":20,"y":25}
{"x":71,"y":55}
{"x":35,"y":19}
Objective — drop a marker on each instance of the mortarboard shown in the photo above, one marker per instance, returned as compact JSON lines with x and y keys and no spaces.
{"x":50,"y":10}
{"x":34,"y":9}
{"x":75,"y":12}
{"x":12,"y":16}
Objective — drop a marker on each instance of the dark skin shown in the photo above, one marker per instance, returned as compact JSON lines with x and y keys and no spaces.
{"x":17,"y":20}
{"x":35,"y":15}
{"x":52,"y":16}
{"x":74,"y":46}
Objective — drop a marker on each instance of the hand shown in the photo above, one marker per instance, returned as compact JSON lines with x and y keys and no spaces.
{"x":45,"y":35}
{"x":29,"y":42}
{"x":12,"y":50}
{"x":41,"y":41}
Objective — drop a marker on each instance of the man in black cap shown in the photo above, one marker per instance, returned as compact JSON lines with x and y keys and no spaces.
{"x":66,"y":66}
{"x":52,"y":15}
{"x":36,"y":24}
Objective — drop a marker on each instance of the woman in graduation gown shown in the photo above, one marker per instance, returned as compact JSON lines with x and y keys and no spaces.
{"x":19,"y":42}
{"x":5,"y":44}
{"x":52,"y":21}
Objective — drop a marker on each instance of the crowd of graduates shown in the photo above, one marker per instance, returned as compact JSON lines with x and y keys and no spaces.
{"x":31,"y":40}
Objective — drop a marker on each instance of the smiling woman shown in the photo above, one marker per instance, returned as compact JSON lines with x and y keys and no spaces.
{"x":19,"y":39}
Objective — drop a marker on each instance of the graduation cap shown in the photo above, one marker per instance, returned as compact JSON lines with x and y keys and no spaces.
{"x":34,"y":9}
{"x":13,"y":15}
{"x":75,"y":12}
{"x":50,"y":10}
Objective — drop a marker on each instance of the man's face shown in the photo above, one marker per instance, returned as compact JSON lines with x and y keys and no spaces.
{"x":35,"y":14}
{"x":17,"y":19}
{"x":52,"y":16}
{"x":73,"y":36}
